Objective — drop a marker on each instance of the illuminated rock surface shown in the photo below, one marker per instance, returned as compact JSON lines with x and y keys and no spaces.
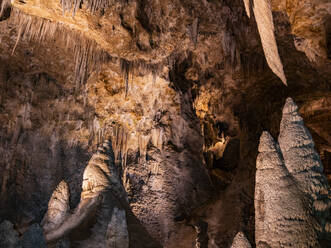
{"x":182,"y":89}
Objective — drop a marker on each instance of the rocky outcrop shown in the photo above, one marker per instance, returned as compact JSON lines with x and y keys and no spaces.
{"x":240,"y":241}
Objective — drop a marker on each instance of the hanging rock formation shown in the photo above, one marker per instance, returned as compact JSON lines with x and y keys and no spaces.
{"x":240,"y":241}
{"x":247,"y":8}
{"x":265,"y":24}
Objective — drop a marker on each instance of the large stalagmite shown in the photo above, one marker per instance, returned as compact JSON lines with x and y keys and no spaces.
{"x":58,"y":207}
{"x":102,"y":190}
{"x":281,"y":208}
{"x":265,"y":24}
{"x":304,"y":164}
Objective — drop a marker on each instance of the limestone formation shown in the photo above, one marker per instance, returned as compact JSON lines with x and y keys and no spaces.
{"x":117,"y":232}
{"x":304,"y":164}
{"x":164,"y":79}
{"x":101,"y":189}
{"x":265,"y":24}
{"x":282,"y":214}
{"x":240,"y":241}
{"x":247,"y":8}
{"x":58,"y":207}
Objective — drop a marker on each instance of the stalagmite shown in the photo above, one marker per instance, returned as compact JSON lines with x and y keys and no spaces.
{"x":247,"y":8}
{"x":265,"y":24}
{"x":304,"y":164}
{"x":101,"y":185}
{"x":117,"y":237}
{"x":282,"y":214}
{"x":58,"y":207}
{"x":240,"y":241}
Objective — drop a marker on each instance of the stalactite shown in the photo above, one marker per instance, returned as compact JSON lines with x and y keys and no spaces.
{"x":263,"y":16}
{"x":4,"y":6}
{"x":120,"y":140}
{"x":91,"y":5}
{"x":247,"y":8}
{"x":142,"y":143}
{"x":194,"y":31}
{"x":88,"y":56}
{"x":126,"y":67}
{"x":157,"y":138}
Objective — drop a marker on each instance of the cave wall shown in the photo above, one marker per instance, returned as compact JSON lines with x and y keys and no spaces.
{"x":182,"y":88}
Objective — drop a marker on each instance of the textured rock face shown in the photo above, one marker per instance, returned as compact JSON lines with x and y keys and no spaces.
{"x":33,"y":237}
{"x":182,"y":88}
{"x":58,"y":207}
{"x":304,"y":164}
{"x":240,"y":241}
{"x":8,"y":236}
{"x":280,"y":205}
{"x":117,"y":233}
{"x":100,"y":176}
{"x":292,"y":194}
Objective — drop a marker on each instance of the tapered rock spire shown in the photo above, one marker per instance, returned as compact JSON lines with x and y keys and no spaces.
{"x":58,"y":207}
{"x":304,"y":164}
{"x":282,"y":214}
{"x":102,"y":191}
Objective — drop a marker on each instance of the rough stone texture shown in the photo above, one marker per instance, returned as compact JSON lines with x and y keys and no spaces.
{"x":304,"y":164}
{"x":164,"y":80}
{"x":33,"y":237}
{"x":117,"y":233}
{"x":8,"y":236}
{"x":280,"y":206}
{"x":58,"y":207}
{"x":240,"y":241}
